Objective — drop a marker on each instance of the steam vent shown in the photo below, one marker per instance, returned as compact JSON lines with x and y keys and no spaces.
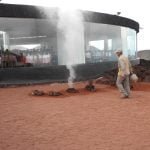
{"x":37,"y":44}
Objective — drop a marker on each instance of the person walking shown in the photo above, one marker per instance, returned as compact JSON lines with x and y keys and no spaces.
{"x":124,"y":70}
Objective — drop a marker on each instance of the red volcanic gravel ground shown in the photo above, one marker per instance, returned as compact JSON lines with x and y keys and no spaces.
{"x":80,"y":121}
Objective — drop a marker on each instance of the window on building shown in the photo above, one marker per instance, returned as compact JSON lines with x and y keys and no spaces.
{"x":99,"y":44}
{"x":109,"y":44}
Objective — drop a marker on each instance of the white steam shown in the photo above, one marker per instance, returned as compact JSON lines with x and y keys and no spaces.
{"x":72,"y":75}
{"x":70,"y":38}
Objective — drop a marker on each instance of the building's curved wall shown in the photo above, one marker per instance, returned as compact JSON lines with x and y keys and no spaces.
{"x":39,"y":40}
{"x":29,"y":31}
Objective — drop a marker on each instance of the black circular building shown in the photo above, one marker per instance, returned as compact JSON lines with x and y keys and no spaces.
{"x":37,"y":43}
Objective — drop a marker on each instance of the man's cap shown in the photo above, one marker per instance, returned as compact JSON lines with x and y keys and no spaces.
{"x":118,"y":51}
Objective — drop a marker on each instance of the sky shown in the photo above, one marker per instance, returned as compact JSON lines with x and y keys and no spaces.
{"x":137,"y":10}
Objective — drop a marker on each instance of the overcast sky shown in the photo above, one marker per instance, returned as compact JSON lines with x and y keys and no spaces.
{"x":137,"y":10}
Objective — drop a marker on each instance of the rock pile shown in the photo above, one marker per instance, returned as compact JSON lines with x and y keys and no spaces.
{"x":142,"y":70}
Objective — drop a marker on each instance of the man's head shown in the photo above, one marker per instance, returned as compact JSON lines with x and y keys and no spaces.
{"x":118,"y":52}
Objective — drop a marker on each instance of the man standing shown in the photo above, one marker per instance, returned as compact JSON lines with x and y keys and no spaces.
{"x":123,"y":82}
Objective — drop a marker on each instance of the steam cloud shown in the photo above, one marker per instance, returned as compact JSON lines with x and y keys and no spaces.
{"x":70,"y":24}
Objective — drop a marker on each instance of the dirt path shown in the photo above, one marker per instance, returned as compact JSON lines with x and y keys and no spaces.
{"x":81,"y":121}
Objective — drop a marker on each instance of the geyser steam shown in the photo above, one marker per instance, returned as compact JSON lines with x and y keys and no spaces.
{"x":72,"y":75}
{"x":70,"y":38}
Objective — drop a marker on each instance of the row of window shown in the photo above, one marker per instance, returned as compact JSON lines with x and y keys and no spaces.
{"x":39,"y":42}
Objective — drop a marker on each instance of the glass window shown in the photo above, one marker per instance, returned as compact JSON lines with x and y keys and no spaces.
{"x":128,"y":37}
{"x":101,"y":40}
{"x":30,"y":42}
{"x":109,"y":44}
{"x":131,"y":41}
{"x":97,"y":44}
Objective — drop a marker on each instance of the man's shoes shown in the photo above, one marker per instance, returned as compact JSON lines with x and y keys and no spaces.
{"x":124,"y":96}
